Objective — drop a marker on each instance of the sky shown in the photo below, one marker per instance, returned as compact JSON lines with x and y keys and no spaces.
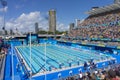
{"x":22,"y":14}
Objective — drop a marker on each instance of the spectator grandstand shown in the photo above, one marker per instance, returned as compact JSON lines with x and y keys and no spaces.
{"x":2,"y":59}
{"x":2,"y":65}
{"x":44,"y":58}
{"x":100,"y":25}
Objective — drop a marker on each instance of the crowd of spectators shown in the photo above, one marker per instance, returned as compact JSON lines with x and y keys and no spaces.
{"x":2,"y":58}
{"x":104,"y":25}
{"x":100,"y":74}
{"x":3,"y":50}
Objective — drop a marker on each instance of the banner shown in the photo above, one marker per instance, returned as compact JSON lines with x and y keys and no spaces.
{"x":101,"y":45}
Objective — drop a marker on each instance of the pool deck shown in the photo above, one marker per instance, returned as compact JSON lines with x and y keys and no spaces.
{"x":19,"y":74}
{"x":58,"y":70}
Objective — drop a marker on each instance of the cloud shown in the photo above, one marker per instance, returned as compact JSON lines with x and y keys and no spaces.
{"x":4,"y":9}
{"x":26,"y":22}
{"x":62,"y":27}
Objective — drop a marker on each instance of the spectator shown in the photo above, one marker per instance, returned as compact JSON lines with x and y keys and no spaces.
{"x":81,"y":75}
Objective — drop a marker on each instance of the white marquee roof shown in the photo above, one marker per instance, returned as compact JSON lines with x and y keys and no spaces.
{"x":104,"y":9}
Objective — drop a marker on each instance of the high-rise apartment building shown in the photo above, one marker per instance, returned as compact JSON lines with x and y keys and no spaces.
{"x":77,"y":22}
{"x":71,"y":26}
{"x":36,"y":28}
{"x":52,"y":21}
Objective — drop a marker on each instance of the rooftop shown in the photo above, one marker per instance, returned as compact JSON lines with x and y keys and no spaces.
{"x":104,"y":9}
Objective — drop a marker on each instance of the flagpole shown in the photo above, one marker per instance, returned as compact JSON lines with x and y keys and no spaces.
{"x":30,"y":58}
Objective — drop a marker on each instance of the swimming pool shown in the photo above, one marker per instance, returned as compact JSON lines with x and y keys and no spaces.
{"x":57,"y":55}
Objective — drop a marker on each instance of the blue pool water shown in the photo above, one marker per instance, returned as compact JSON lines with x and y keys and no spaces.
{"x":56,"y":55}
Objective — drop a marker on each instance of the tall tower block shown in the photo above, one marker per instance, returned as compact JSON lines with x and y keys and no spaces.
{"x":52,"y":21}
{"x":36,"y":28}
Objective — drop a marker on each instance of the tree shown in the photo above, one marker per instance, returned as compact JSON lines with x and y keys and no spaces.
{"x":42,"y":32}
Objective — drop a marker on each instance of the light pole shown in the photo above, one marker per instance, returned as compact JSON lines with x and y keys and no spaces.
{"x":30,"y":56}
{"x":4,"y":4}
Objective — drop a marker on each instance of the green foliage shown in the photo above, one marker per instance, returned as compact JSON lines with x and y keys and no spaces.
{"x":48,"y":32}
{"x":42,"y":32}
